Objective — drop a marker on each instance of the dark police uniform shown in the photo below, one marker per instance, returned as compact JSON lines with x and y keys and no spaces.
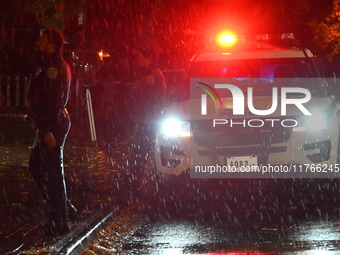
{"x":48,"y":95}
{"x":146,"y":100}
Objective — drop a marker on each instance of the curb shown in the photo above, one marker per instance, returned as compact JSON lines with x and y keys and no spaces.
{"x":74,"y":242}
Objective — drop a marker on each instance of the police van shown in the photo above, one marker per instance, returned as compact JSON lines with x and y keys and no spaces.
{"x":251,"y":105}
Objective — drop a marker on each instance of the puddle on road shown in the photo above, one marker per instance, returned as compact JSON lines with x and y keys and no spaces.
{"x":134,"y":232}
{"x":177,"y":227}
{"x":185,"y":238}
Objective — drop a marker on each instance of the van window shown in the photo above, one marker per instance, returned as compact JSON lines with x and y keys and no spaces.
{"x":261,"y":74}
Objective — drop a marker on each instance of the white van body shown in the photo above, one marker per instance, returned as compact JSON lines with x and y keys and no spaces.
{"x":182,"y":140}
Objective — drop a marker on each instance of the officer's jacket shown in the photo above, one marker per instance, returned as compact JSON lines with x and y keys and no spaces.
{"x":148,"y":94}
{"x":49,"y":92}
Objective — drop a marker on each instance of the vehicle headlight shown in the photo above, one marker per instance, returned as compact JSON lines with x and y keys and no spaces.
{"x":315,"y":122}
{"x":175,"y":128}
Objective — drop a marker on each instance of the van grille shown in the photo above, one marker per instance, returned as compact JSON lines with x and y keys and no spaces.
{"x":204,"y":134}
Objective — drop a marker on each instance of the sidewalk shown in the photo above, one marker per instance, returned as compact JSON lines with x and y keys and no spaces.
{"x":94,"y":177}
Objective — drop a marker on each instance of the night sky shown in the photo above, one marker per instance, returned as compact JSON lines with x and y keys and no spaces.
{"x":175,"y":29}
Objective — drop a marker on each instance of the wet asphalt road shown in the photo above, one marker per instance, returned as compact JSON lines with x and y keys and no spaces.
{"x":282,"y":216}
{"x":228,"y":217}
{"x":92,"y":183}
{"x":187,"y":216}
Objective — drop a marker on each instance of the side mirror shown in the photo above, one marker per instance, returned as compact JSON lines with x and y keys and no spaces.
{"x":334,"y":87}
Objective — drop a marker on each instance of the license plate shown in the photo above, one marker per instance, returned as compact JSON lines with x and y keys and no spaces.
{"x":242,"y":163}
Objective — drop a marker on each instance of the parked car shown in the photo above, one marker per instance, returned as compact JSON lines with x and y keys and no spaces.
{"x":253,"y":107}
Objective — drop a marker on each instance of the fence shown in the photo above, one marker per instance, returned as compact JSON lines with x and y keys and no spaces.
{"x":13,"y":107}
{"x":13,"y":98}
{"x":109,"y":106}
{"x":13,"y":95}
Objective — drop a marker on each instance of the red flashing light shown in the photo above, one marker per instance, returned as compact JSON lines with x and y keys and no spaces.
{"x":226,"y":39}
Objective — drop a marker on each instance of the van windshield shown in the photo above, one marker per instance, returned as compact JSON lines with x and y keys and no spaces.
{"x":259,"y":69}
{"x":261,"y":74}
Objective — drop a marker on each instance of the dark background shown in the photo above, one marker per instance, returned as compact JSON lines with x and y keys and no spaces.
{"x":175,"y":29}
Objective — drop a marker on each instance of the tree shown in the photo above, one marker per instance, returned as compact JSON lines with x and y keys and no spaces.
{"x":180,"y":28}
{"x":8,"y":10}
{"x":327,"y":33}
{"x":53,"y":13}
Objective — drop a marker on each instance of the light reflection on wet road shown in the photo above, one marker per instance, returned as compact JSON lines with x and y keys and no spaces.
{"x":189,"y":217}
{"x":177,"y":237}
{"x":249,"y":217}
{"x":282,"y":216}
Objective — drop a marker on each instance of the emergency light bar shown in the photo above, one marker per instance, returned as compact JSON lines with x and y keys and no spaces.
{"x":227,"y":40}
{"x":268,"y":37}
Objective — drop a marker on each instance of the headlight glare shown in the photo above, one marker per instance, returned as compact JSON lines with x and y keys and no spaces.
{"x":175,"y":128}
{"x":315,"y":122}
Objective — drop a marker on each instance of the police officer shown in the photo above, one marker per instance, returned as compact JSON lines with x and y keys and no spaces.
{"x":146,"y":101}
{"x":48,"y":95}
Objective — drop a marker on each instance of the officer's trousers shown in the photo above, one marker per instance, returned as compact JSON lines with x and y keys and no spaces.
{"x":140,"y":148}
{"x":47,"y":169}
